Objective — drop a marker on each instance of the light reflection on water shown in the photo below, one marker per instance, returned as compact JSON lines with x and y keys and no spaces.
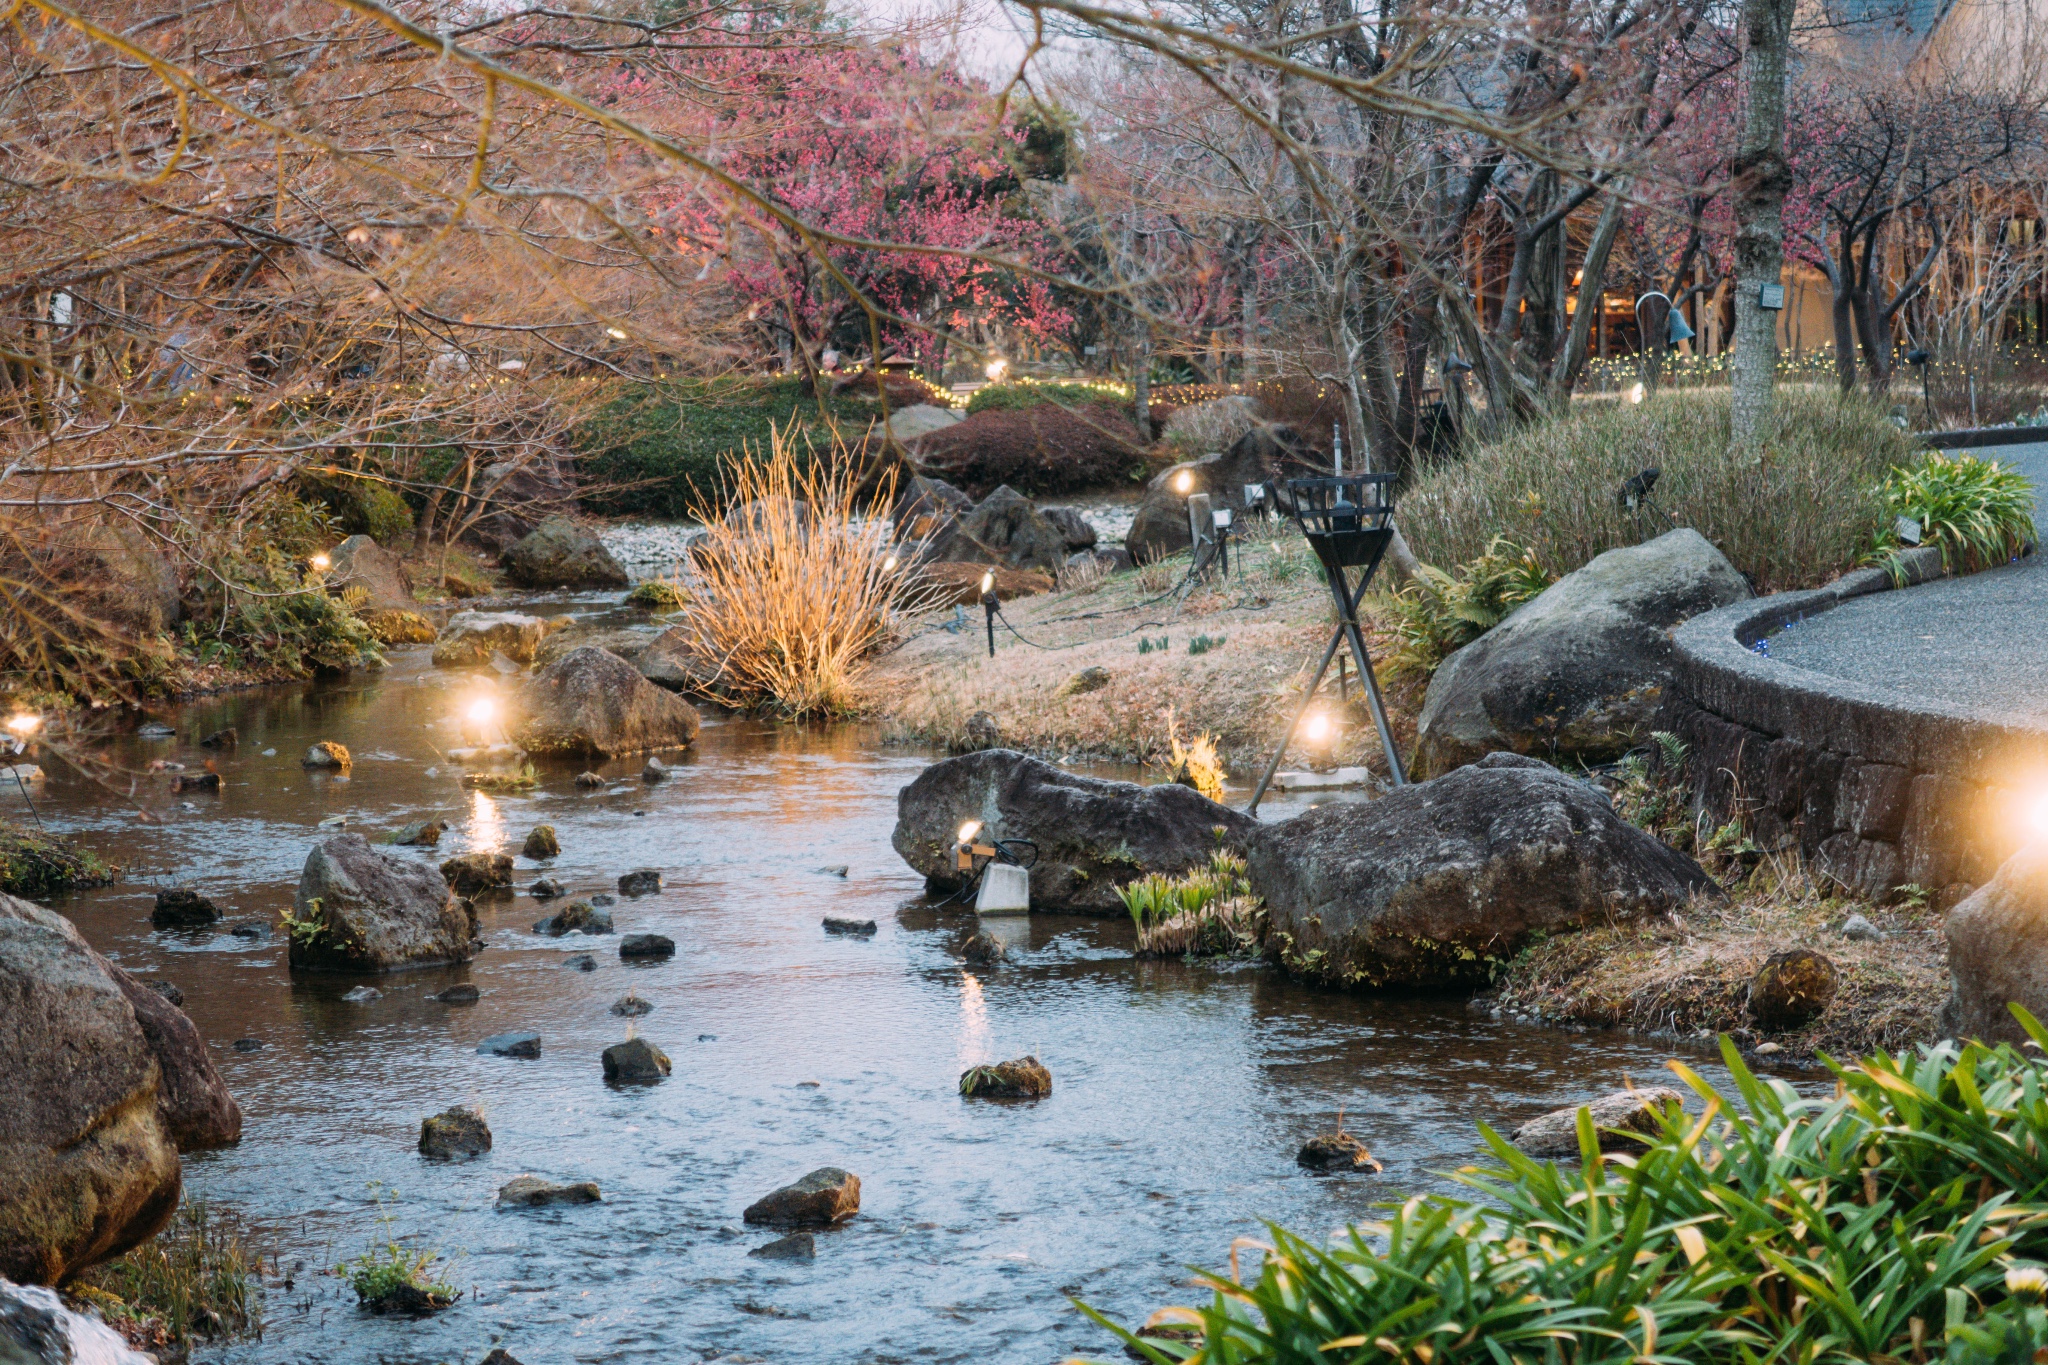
{"x":1181,"y":1093}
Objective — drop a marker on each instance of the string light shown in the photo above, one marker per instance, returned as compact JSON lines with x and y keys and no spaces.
{"x":24,"y":723}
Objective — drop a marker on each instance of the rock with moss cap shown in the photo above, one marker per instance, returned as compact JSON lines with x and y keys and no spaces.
{"x":327,"y":754}
{"x":471,"y":637}
{"x":470,"y":874}
{"x":561,"y":554}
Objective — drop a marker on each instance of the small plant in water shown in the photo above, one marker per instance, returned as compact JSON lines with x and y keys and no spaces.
{"x":389,"y":1278}
{"x":524,"y":779}
{"x":1194,"y":764}
{"x":1206,"y":913}
{"x":656,"y":594}
{"x":307,"y":929}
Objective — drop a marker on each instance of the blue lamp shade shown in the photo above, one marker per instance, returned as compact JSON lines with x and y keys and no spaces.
{"x":1675,"y":329}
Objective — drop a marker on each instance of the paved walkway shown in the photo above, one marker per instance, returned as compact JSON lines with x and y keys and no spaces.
{"x":1979,"y":642}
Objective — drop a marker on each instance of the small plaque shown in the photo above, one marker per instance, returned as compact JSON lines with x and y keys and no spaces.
{"x":1089,"y":350}
{"x":1771,"y":296}
{"x":1908,"y":529}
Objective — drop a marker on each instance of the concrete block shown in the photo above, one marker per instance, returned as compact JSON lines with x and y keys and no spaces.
{"x":1874,"y":800}
{"x":1005,"y":890}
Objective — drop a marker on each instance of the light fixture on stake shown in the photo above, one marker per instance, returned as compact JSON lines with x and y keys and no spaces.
{"x":990,"y":606}
{"x":1918,"y":358}
{"x":1348,"y":522}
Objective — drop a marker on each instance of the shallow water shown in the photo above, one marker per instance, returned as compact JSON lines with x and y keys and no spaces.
{"x":1181,"y":1092}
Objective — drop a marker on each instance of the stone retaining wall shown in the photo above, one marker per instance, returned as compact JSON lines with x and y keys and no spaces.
{"x":1877,"y":790}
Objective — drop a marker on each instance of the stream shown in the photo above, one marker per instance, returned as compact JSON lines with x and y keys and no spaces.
{"x":1181,"y":1091}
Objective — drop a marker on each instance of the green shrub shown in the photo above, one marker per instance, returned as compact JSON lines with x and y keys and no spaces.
{"x":270,"y":617}
{"x":1437,"y":612}
{"x":1793,"y":517}
{"x":658,"y":449}
{"x":391,"y":1279}
{"x":1865,"y":1225}
{"x":1027,"y":393}
{"x":1980,"y":513}
{"x":363,"y":506}
{"x":37,"y":866}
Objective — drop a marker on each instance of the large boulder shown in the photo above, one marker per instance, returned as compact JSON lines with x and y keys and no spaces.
{"x":669,"y":661}
{"x":592,"y":704}
{"x":1262,"y":455}
{"x":927,"y":507}
{"x":88,"y":1157}
{"x":360,"y":562}
{"x":561,"y":554}
{"x":472,"y":637}
{"x":1441,"y":883}
{"x":518,"y":496}
{"x":1004,"y":528}
{"x":1579,"y":671}
{"x":1093,"y":836}
{"x":1997,"y":953}
{"x":360,"y":909}
{"x":623,"y":641}
{"x":1076,"y":529}
{"x":907,"y":424}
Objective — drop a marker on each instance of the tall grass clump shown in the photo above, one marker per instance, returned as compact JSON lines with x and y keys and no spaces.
{"x":1794,"y":516}
{"x":197,"y":1279}
{"x":1898,"y":1219}
{"x":1435,"y":612}
{"x":793,"y":591}
{"x":1979,"y":512}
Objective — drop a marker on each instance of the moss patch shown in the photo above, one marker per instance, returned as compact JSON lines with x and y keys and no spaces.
{"x":36,"y":866}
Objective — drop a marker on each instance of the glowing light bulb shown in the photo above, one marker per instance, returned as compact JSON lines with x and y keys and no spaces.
{"x":2039,"y":816}
{"x":320,"y":562}
{"x":988,"y":582}
{"x":483,"y":710}
{"x":996,"y":369}
{"x":1183,"y":481}
{"x":25,"y":723}
{"x":615,"y":334}
{"x":969,"y":830}
{"x":1316,"y":728}
{"x":889,"y":564}
{"x":1636,"y":392}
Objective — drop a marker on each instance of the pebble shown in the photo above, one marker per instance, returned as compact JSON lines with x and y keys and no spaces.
{"x":798,"y":1246}
{"x":643,"y":881}
{"x":833,"y":870}
{"x":169,"y":992}
{"x":604,"y":898}
{"x":589,"y":780}
{"x":707,"y":1037}
{"x":457,"y":995}
{"x":582,"y":962}
{"x":655,"y":771}
{"x":532,"y":1192}
{"x":647,"y":945}
{"x":1768,"y":1049}
{"x":248,"y":1045}
{"x":984,"y":948}
{"x":650,"y":549}
{"x":362,"y":994}
{"x":270,"y":753}
{"x":251,"y":929}
{"x":635,"y":1062}
{"x":1860,"y":930}
{"x":156,"y":729}
{"x":547,"y":888}
{"x":632,"y":1006}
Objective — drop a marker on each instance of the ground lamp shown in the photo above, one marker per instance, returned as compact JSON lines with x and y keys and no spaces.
{"x":320,"y":563}
{"x":1634,"y":494}
{"x":1918,"y":358}
{"x":1348,"y":522}
{"x":991,"y":606}
{"x":996,"y":870}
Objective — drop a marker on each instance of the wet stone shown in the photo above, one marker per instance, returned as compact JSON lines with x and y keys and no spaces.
{"x":248,"y":1045}
{"x":363,"y":995}
{"x":862,"y":927}
{"x":326,"y":754}
{"x":473,"y":872}
{"x":604,"y":899}
{"x":420,"y":833}
{"x":632,"y":1006}
{"x":635,"y":1062}
{"x":250,"y":928}
{"x":221,"y":739}
{"x":454,"y":1133}
{"x":169,"y":992}
{"x":464,"y":994}
{"x":541,"y":844}
{"x":832,"y":870}
{"x":499,"y":1356}
{"x":798,"y":1246}
{"x":644,"y":881}
{"x":1332,"y":1153}
{"x":510,"y":1045}
{"x":177,"y":908}
{"x":156,"y":729}
{"x":647,"y":946}
{"x":582,"y":962}
{"x":531,"y":1192}
{"x":589,"y":780}
{"x":547,"y":888}
{"x":655,"y":771}
{"x":578,"y":917}
{"x":984,"y":950}
{"x":826,"y":1196}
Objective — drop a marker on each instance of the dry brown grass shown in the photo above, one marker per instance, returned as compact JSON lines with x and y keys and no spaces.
{"x":1274,"y":621}
{"x":1691,"y":977}
{"x":788,"y":601}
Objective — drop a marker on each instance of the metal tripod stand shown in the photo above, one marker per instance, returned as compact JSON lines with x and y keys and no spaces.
{"x":1348,"y":522}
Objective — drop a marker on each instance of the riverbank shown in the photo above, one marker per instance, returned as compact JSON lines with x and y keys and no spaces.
{"x":1108,"y":659}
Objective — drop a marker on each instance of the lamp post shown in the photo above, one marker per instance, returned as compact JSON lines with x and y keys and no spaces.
{"x":1917,"y":358}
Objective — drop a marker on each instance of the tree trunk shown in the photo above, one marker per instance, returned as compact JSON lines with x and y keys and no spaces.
{"x":1564,"y":374}
{"x":1761,"y":178}
{"x":1141,"y":381}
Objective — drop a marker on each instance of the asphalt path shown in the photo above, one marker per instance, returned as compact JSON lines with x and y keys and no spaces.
{"x":1979,"y":642}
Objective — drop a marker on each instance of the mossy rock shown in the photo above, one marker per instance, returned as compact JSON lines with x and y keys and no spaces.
{"x":36,"y":866}
{"x":656,"y":594}
{"x":397,"y":627}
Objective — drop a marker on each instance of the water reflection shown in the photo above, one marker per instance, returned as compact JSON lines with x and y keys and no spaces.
{"x":1181,"y":1092}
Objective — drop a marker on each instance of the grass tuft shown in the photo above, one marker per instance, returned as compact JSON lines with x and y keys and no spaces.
{"x":197,"y":1279}
{"x":36,"y":866}
{"x":1794,"y":516}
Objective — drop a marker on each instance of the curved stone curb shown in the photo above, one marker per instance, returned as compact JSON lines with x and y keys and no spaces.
{"x":1877,"y":789}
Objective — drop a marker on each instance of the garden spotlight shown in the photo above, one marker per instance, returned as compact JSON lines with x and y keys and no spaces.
{"x":996,"y":369}
{"x":25,"y":723}
{"x":320,"y":562}
{"x":1349,"y":522}
{"x":1183,"y":482}
{"x":1919,"y":357}
{"x":990,"y":606}
{"x":483,"y":711}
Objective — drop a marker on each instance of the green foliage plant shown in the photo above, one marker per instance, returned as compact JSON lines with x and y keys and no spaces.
{"x":1209,"y":911}
{"x":1792,"y":515}
{"x":390,"y":1278}
{"x":1026,"y":393}
{"x":198,"y":1278}
{"x":306,"y":930}
{"x":1436,"y":612}
{"x":1980,"y":512}
{"x":36,"y":865}
{"x":656,"y":595}
{"x":1884,"y":1221}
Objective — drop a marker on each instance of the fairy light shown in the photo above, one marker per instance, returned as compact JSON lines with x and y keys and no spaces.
{"x":321,"y":563}
{"x":988,"y":582}
{"x":615,"y":334}
{"x":24,"y":723}
{"x":889,"y":564}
